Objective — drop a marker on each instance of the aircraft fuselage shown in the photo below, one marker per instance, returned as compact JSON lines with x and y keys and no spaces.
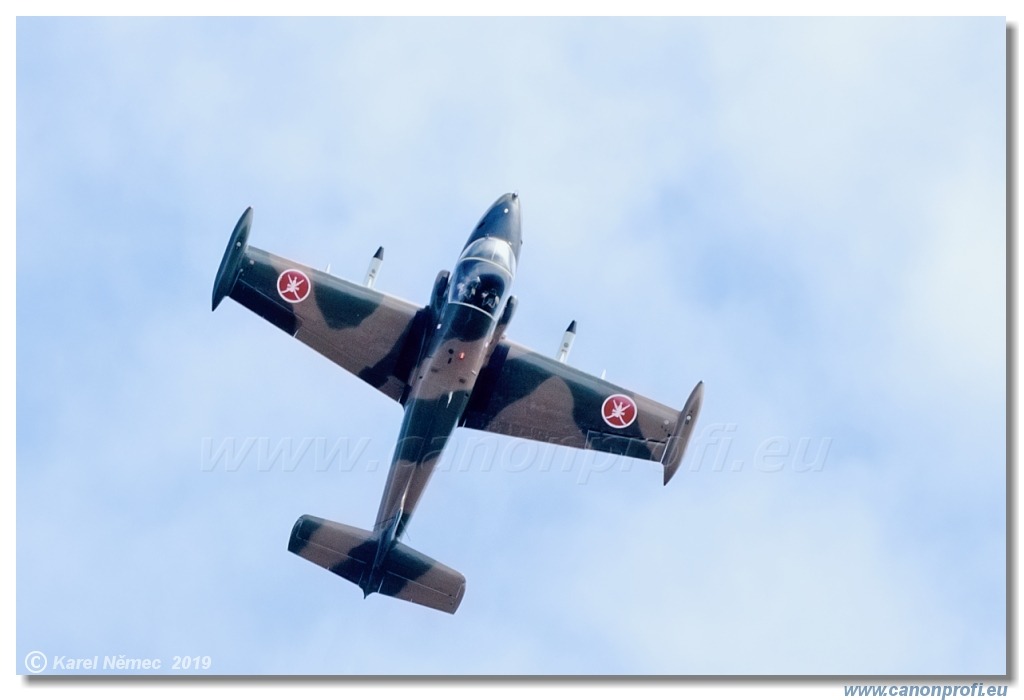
{"x":458,"y":345}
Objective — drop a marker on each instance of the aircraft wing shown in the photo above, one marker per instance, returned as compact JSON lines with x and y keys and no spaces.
{"x":358,"y":328}
{"x":525,"y":394}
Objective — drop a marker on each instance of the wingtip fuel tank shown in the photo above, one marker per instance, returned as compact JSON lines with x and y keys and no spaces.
{"x":676,"y":447}
{"x":231,"y":263}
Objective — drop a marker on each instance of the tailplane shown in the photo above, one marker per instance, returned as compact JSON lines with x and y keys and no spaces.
{"x":349,"y":552}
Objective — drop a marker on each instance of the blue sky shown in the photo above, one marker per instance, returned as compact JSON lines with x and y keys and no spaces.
{"x":806,"y":214}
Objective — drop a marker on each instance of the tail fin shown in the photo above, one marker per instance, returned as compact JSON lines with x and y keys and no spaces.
{"x":349,"y":552}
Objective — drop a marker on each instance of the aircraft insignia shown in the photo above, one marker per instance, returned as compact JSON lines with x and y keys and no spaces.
{"x":293,"y":286}
{"x":618,"y":411}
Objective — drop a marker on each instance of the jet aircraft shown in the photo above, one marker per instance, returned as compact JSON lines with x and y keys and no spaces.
{"x":448,"y":364}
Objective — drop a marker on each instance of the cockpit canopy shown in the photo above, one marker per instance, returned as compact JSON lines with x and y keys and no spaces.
{"x":479,"y":283}
{"x":483,"y":274}
{"x":496,"y":250}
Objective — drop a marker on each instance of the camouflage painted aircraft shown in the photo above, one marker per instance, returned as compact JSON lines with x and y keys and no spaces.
{"x":449,"y":364}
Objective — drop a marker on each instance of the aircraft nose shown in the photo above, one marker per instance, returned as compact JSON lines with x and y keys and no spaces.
{"x":502,"y":221}
{"x":507,"y":202}
{"x":509,"y":206}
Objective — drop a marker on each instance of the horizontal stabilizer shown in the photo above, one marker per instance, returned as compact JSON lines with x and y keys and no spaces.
{"x":349,"y":552}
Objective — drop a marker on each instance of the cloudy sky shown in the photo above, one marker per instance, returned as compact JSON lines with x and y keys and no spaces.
{"x":806,"y":214}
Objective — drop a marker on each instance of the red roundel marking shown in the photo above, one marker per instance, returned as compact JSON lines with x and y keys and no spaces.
{"x":293,"y":286}
{"x":618,"y":411}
